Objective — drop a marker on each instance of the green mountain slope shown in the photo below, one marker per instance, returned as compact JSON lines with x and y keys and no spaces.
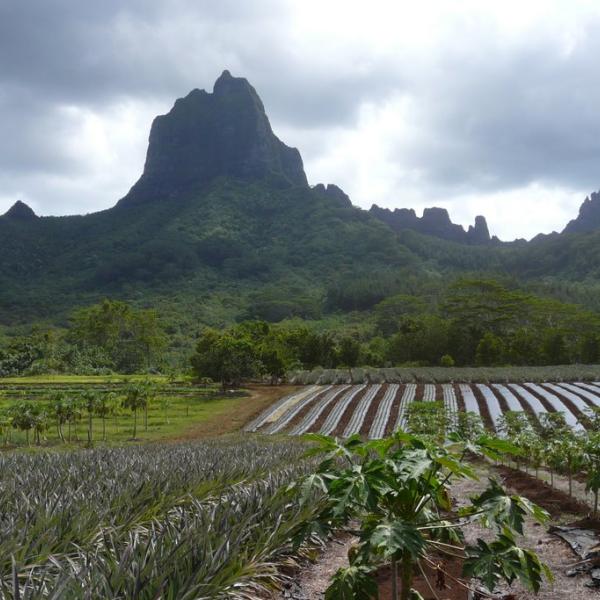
{"x":222,"y":225}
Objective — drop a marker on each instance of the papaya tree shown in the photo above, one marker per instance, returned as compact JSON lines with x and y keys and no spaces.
{"x":104,"y":407}
{"x":90,"y":400}
{"x":591,"y":451}
{"x":398,"y":491}
{"x":60,"y":412}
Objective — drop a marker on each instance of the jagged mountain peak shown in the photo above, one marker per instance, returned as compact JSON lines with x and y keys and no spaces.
{"x":225,"y":133}
{"x":226,"y":83}
{"x":479,"y":233}
{"x":333,"y":192}
{"x":20,"y":210}
{"x":588,"y":218}
{"x":436,"y":222}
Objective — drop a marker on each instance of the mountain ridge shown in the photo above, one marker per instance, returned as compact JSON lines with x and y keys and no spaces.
{"x":436,"y":222}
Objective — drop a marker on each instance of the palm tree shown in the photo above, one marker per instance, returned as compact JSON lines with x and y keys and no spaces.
{"x":135,"y":398}
{"x":60,"y":411}
{"x":104,"y":408}
{"x":90,"y":400}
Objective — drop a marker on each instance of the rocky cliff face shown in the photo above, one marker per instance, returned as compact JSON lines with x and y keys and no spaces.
{"x":207,"y":135}
{"x":20,"y":211}
{"x":588,"y":218}
{"x":436,"y":222}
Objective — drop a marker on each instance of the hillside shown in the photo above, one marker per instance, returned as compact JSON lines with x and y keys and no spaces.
{"x":222,"y":225}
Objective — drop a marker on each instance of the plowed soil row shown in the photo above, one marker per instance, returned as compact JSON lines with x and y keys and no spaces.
{"x":554,"y":501}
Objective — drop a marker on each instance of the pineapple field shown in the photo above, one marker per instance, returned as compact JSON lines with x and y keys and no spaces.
{"x":377,"y":410}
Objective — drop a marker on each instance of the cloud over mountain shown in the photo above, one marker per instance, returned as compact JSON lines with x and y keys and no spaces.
{"x":479,"y":110}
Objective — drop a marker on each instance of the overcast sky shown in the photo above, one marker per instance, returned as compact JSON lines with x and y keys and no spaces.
{"x":482,"y":107}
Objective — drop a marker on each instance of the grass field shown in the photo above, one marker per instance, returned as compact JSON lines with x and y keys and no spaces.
{"x":178,"y":411}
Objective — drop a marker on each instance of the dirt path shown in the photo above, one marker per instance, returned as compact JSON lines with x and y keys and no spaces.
{"x":242,"y":411}
{"x":551,"y":550}
{"x":313,"y":579}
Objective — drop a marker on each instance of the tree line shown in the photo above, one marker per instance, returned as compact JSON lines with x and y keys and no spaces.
{"x":108,"y":337}
{"x":471,"y":322}
{"x":475,"y":323}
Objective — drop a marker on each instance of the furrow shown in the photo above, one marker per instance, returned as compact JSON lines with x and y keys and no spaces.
{"x":316,"y":411}
{"x":361,"y":410}
{"x":492,"y":404}
{"x":338,"y":410}
{"x":271,"y":413}
{"x":407,"y":397}
{"x":292,"y":411}
{"x":451,"y":405}
{"x":557,"y":404}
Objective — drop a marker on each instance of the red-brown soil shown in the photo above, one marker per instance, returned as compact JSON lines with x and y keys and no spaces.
{"x":443,"y":581}
{"x":305,"y":410}
{"x":459,"y":399}
{"x":389,"y":427}
{"x":483,"y":408}
{"x":556,"y":502}
{"x":339,"y":430}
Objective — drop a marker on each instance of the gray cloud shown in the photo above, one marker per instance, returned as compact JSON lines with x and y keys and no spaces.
{"x":484,"y":112}
{"x":511,"y":116}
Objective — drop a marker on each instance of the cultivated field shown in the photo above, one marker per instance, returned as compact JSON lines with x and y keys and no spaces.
{"x":377,"y":410}
{"x":176,"y":521}
{"x":64,"y":410}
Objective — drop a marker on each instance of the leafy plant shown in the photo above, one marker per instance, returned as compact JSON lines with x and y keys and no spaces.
{"x":397,"y":489}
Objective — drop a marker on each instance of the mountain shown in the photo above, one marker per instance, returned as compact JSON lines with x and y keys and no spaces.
{"x":435,"y":222}
{"x":205,"y":136}
{"x":222,"y":225}
{"x":588,"y":218}
{"x":19,"y":210}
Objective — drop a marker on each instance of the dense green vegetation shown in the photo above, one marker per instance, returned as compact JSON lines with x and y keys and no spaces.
{"x":237,"y":251}
{"x":471,"y":322}
{"x":476,"y":322}
{"x":110,"y":337}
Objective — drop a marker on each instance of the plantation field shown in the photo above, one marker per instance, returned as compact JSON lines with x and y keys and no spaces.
{"x":40,"y":412}
{"x":321,"y":376}
{"x":202,"y":520}
{"x":376,"y":410}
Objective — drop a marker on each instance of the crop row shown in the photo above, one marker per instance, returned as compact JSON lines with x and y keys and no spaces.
{"x":368,"y":375}
{"x":373,"y":410}
{"x":188,"y":521}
